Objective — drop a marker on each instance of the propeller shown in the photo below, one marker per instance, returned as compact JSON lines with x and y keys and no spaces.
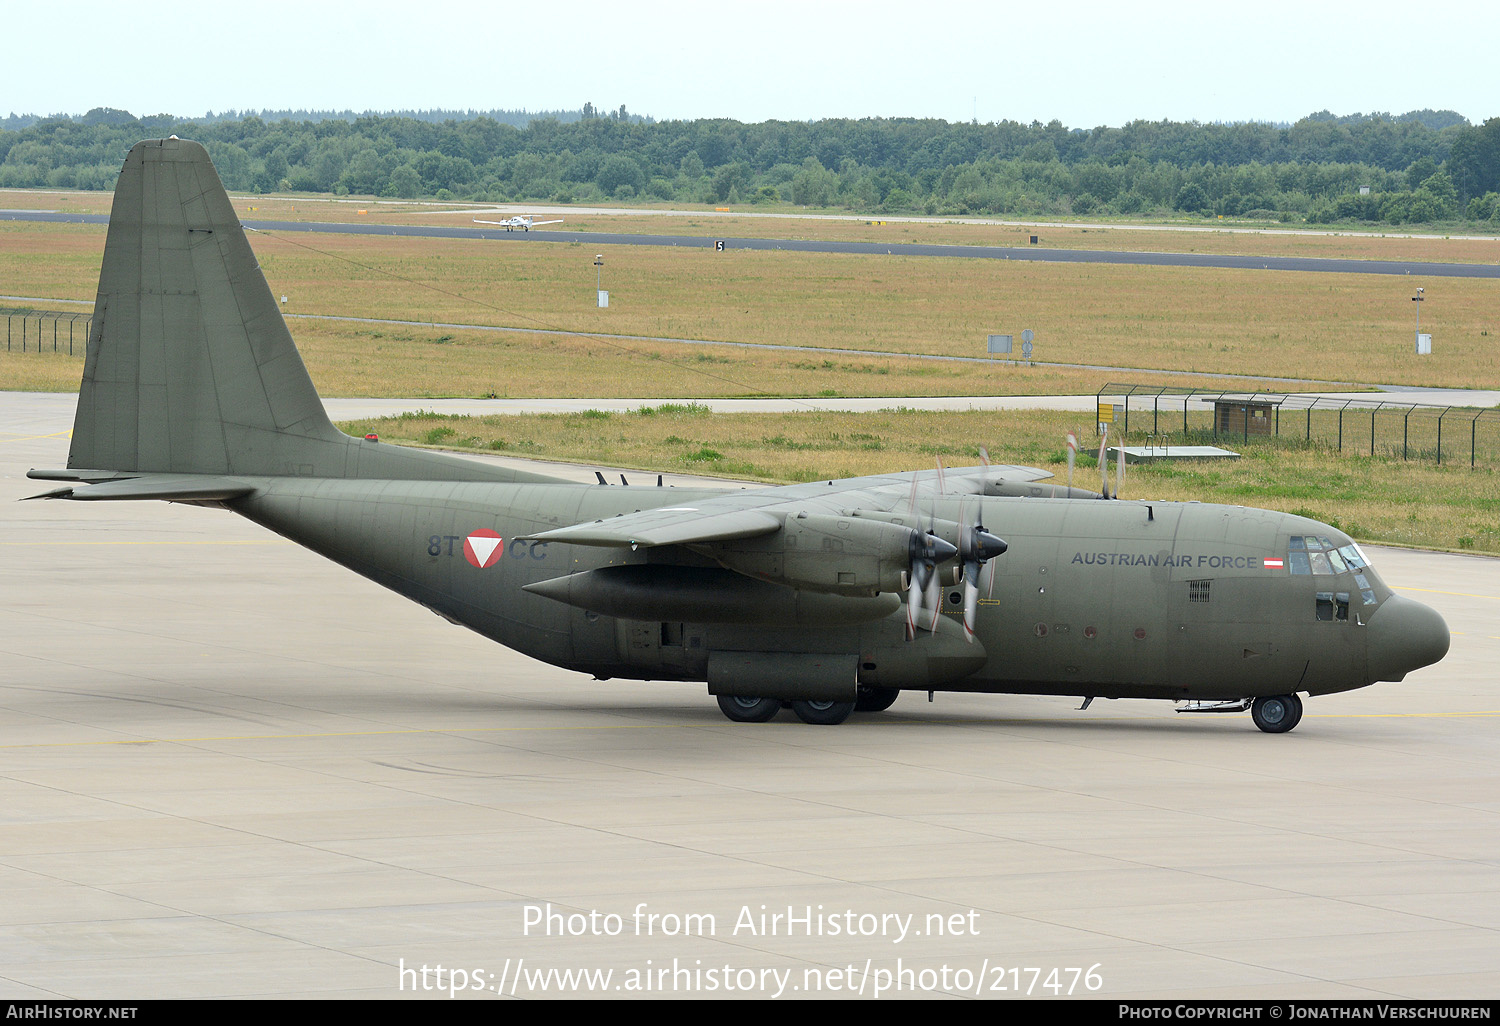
{"x":976,"y":547}
{"x":927,"y":551}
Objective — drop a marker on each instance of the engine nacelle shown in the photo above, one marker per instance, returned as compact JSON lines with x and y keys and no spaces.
{"x":648,"y":591}
{"x":819,"y":552}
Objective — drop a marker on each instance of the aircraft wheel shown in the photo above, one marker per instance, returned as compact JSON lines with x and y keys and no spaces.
{"x":1276,"y":714}
{"x":875,"y":699}
{"x":748,"y":710}
{"x":826,"y":713}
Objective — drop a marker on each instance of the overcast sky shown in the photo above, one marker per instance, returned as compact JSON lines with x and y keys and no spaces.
{"x":1081,"y":62}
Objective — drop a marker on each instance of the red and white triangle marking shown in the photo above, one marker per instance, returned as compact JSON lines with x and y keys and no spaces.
{"x":482,"y":548}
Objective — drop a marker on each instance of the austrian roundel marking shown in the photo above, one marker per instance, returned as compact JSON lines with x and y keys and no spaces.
{"x":482,"y":548}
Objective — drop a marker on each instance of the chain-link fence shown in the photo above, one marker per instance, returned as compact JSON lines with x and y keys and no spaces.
{"x":1369,"y":426}
{"x":46,"y":331}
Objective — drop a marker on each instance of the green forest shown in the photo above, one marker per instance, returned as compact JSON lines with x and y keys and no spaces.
{"x":1423,"y":167}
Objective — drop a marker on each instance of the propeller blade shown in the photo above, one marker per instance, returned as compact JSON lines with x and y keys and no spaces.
{"x":1072,"y":455}
{"x":971,"y":599}
{"x":1103,"y":463}
{"x":1120,"y":468}
{"x":934,"y":599}
{"x":913,"y":605}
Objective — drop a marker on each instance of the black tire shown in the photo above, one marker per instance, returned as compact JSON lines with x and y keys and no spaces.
{"x":1276,"y":714}
{"x":823,"y":713}
{"x":748,"y":710}
{"x":873,"y":699}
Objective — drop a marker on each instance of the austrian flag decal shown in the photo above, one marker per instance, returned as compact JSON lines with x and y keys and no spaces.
{"x":1274,"y":563}
{"x":483,"y":547}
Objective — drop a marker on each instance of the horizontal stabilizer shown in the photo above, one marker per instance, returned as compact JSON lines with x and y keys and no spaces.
{"x":169,"y":487}
{"x":84,"y":476}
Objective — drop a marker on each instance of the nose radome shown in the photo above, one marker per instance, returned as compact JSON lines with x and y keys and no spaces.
{"x":1405,"y":636}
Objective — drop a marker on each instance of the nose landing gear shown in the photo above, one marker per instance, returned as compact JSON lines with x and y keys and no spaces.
{"x":1276,"y":714}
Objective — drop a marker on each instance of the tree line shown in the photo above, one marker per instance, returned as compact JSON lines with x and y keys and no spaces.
{"x":1420,"y":167}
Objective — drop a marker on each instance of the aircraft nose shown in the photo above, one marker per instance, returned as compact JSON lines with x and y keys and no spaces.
{"x":1405,"y":636}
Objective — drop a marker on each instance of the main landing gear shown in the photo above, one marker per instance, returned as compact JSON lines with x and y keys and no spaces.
{"x":825,"y":713}
{"x":758,"y":710}
{"x":870,"y":698}
{"x":748,"y":710}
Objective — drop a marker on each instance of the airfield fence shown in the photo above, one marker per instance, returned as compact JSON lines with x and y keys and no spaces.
{"x":46,"y":331}
{"x":1365,"y":426}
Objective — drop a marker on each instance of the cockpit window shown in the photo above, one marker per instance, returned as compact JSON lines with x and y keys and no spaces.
{"x":1318,"y":555}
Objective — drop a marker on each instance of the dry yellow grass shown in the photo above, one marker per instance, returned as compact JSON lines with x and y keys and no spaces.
{"x":347,"y":359}
{"x":1162,"y":320}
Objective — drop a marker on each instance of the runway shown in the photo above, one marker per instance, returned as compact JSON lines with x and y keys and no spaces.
{"x":229,"y":768}
{"x":1210,"y":260}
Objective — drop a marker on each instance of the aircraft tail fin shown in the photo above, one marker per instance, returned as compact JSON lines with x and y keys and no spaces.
{"x":190,"y":367}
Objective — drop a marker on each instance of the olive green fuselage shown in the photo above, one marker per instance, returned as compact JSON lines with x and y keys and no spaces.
{"x":1109,"y":599}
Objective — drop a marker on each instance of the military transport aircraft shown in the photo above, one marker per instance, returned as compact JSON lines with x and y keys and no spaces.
{"x":829,"y":597}
{"x":522,"y":221}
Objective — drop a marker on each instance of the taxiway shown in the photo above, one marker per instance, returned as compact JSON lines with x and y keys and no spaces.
{"x":229,"y":768}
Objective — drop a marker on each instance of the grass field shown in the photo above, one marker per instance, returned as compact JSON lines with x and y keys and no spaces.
{"x":1373,"y":499}
{"x":347,"y":359}
{"x":1159,"y":320}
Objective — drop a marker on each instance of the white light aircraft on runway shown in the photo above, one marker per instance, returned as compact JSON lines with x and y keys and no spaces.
{"x":522,"y":221}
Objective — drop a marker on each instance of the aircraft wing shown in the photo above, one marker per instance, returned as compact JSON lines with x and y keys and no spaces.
{"x":502,"y":224}
{"x":763,"y":511}
{"x":535,"y":223}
